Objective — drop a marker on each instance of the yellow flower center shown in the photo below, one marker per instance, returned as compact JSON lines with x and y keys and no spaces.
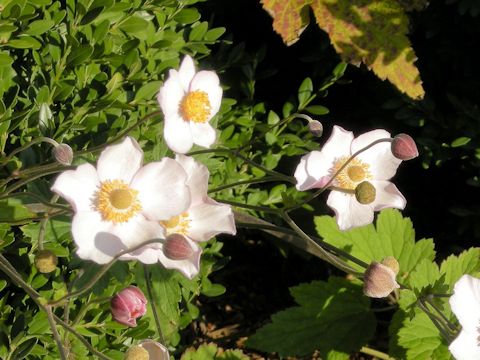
{"x":195,"y":106}
{"x":354,"y":173}
{"x":179,"y":224}
{"x":116,"y":201}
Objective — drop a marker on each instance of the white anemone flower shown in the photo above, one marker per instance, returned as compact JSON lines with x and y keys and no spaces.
{"x":203,"y":219}
{"x":118,"y":204}
{"x":375,"y":165}
{"x":465,"y":304}
{"x":188,"y":101}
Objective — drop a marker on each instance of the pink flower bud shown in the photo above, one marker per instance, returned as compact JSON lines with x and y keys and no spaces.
{"x":176,"y":247}
{"x":315,"y":127}
{"x":404,"y":147}
{"x":63,"y":154}
{"x":379,"y":280}
{"x":128,"y":305}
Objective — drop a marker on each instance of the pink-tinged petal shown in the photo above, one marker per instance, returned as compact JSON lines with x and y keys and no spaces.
{"x":197,"y":180}
{"x":156,"y":351}
{"x":120,"y":161}
{"x":319,"y":166}
{"x":171,"y":94}
{"x":203,"y":134}
{"x":162,"y":189}
{"x":209,"y":82}
{"x":349,"y":213}
{"x":387,"y":196}
{"x":367,"y":138}
{"x":78,"y":186}
{"x":186,"y":72}
{"x":209,"y":219}
{"x":382,"y":164}
{"x":465,"y":346}
{"x":465,"y":302}
{"x":338,"y":145}
{"x":189,"y":267}
{"x":304,"y":180}
{"x":177,"y":134}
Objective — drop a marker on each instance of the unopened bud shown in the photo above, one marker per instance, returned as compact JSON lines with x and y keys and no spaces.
{"x":137,"y":353}
{"x":365,"y":193}
{"x":176,"y":247}
{"x":315,"y":127}
{"x":148,"y":350}
{"x":379,"y":281}
{"x":128,"y":305}
{"x":63,"y":154}
{"x":45,"y":261}
{"x":392,"y":263}
{"x":404,"y":147}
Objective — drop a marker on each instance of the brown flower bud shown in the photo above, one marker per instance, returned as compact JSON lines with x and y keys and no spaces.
{"x":45,"y":261}
{"x":404,"y":147}
{"x":315,"y":127}
{"x":379,"y":281}
{"x":365,"y":193}
{"x":63,"y":154}
{"x":176,"y":247}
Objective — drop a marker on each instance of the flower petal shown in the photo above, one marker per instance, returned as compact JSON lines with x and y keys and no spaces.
{"x":155,"y":350}
{"x":197,"y":181}
{"x":177,"y":134}
{"x":162,"y":189}
{"x":203,"y":134}
{"x":189,"y":267}
{"x":387,"y":196}
{"x":383,"y":165}
{"x":120,"y":161}
{"x":77,"y":186}
{"x":465,"y":302}
{"x":171,"y":94}
{"x":338,"y":144}
{"x":186,"y":72}
{"x":465,"y":346}
{"x":209,"y":82}
{"x":209,"y":219}
{"x":304,"y":180}
{"x":349,"y":212}
{"x":319,"y":166}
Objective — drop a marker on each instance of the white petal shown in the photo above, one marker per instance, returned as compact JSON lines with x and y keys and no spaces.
{"x":171,"y":94}
{"x":465,"y":346}
{"x":209,"y":82}
{"x":186,"y":72}
{"x":319,"y":166}
{"x":120,"y":161}
{"x":197,"y":178}
{"x":304,"y":180}
{"x":148,"y":254}
{"x":349,"y":212}
{"x":177,"y":134}
{"x":78,"y":186}
{"x":203,"y":134}
{"x":189,"y":267}
{"x":465,"y":302}
{"x":383,"y":165}
{"x":209,"y":219}
{"x":162,"y":189}
{"x":338,"y":144}
{"x":387,"y":196}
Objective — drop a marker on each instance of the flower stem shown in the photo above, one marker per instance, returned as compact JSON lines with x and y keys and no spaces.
{"x":250,"y":207}
{"x":242,"y":182}
{"x":148,"y":282}
{"x":26,"y":146}
{"x":451,"y":326}
{"x":56,"y":336}
{"x":438,"y":322}
{"x":375,"y":353}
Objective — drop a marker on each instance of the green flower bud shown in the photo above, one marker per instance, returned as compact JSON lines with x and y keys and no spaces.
{"x":137,"y":353}
{"x":365,"y":193}
{"x":45,"y":261}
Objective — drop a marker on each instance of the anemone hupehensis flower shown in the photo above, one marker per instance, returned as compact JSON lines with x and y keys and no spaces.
{"x":465,"y":304}
{"x":188,"y":101}
{"x":118,"y":204}
{"x":375,"y":166}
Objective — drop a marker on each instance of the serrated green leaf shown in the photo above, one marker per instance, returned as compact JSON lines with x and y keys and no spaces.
{"x":426,"y":273}
{"x":204,"y":352}
{"x":453,"y":267}
{"x":331,"y":316}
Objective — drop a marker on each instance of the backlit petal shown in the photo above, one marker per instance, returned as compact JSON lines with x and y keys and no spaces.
{"x":186,"y":72}
{"x":197,"y":177}
{"x":170,"y":95}
{"x":203,"y":134}
{"x":349,"y":213}
{"x":338,"y":145}
{"x":387,"y":196}
{"x":177,"y":134}
{"x":465,"y":346}
{"x":189,"y":267}
{"x":209,"y":219}
{"x":209,"y":82}
{"x":465,"y":302}
{"x":120,"y":161}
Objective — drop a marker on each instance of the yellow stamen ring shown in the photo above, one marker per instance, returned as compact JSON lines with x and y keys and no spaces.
{"x":179,"y":224}
{"x":195,"y":106}
{"x":354,"y":173}
{"x":116,"y":201}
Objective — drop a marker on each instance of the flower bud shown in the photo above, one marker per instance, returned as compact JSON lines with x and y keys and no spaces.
{"x":45,"y":261}
{"x":156,"y":351}
{"x":137,"y":352}
{"x":315,"y":127}
{"x":63,"y":154}
{"x":404,"y":147}
{"x":176,"y":247}
{"x":128,"y":305}
{"x":392,"y":263}
{"x":379,"y":281}
{"x":365,"y":193}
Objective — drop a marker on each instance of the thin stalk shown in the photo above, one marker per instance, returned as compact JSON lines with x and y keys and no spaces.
{"x":148,"y":281}
{"x":26,"y":146}
{"x":56,"y":336}
{"x":376,"y":353}
{"x":243,"y":182}
{"x":250,"y":207}
{"x":438,"y":322}
{"x":36,"y":197}
{"x":20,"y":183}
{"x":442,"y":315}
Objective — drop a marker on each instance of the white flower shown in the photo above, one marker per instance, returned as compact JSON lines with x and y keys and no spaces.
{"x":188,"y":101}
{"x":118,"y":204}
{"x":375,"y":165}
{"x":203,"y":219}
{"x":465,"y":304}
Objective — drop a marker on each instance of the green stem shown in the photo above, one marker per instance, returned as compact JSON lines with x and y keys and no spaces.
{"x":375,"y":353}
{"x":148,"y":281}
{"x":250,"y":207}
{"x":36,"y":197}
{"x":242,"y":182}
{"x":26,"y":146}
{"x":445,"y":319}
{"x":56,"y":336}
{"x":21,"y":183}
{"x":438,"y":322}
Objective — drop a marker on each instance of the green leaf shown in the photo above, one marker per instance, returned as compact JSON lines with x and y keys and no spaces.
{"x":39,"y":27}
{"x":392,"y":236}
{"x":13,"y":210}
{"x":425,"y":275}
{"x":304,"y":92}
{"x":461,"y":141}
{"x":79,"y":55}
{"x":331,"y":316}
{"x":25,"y":42}
{"x":214,"y":34}
{"x":187,"y":16}
{"x":5,"y":59}
{"x":204,"y":352}
{"x":468,"y":262}
{"x":317,"y":110}
{"x":147,"y":91}
{"x":134,"y":25}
